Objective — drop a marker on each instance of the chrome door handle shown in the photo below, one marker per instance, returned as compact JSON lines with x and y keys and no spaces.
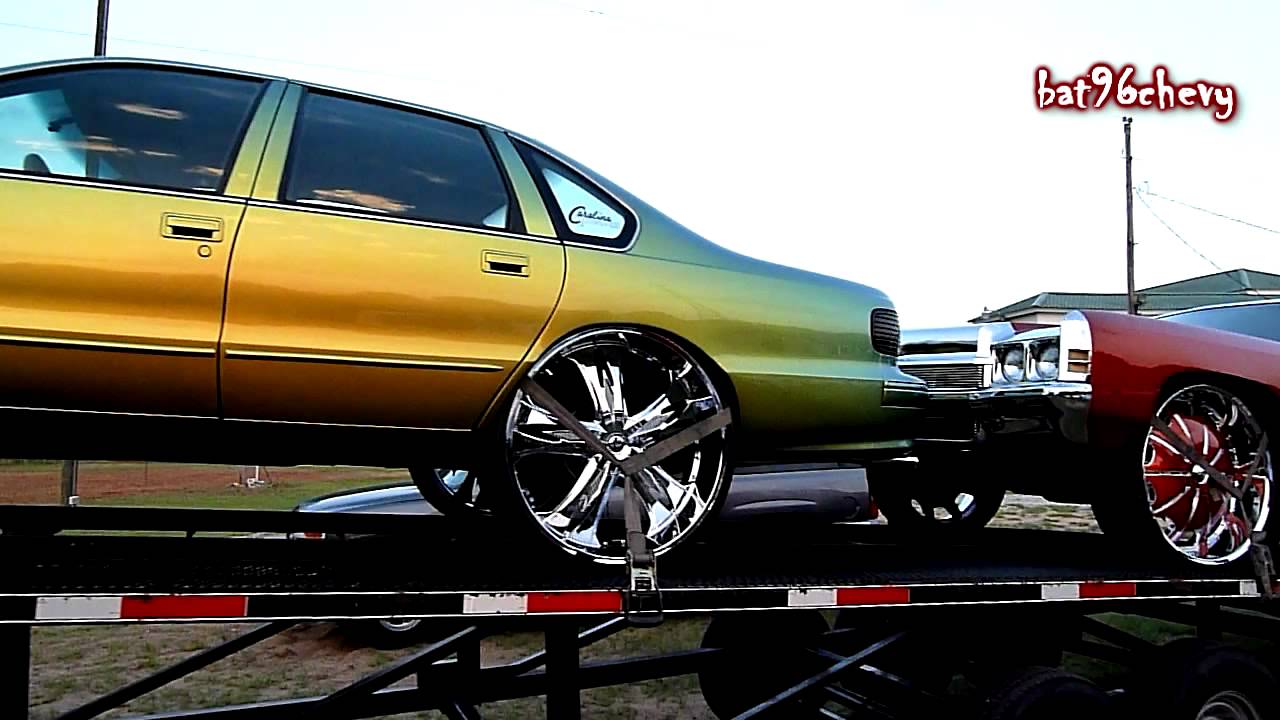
{"x":191,"y":227}
{"x":504,"y":263}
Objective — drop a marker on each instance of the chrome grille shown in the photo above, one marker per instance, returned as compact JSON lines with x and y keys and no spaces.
{"x":961,"y":376}
{"x":885,"y":334}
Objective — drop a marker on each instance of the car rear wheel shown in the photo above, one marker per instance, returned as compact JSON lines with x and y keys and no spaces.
{"x":453,"y":492}
{"x":935,"y":496}
{"x":629,"y":388}
{"x":1184,"y":511}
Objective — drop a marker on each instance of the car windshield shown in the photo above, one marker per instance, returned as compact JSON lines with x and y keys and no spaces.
{"x":1260,"y":320}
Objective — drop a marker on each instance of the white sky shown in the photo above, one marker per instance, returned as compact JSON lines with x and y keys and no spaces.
{"x":894,"y":144}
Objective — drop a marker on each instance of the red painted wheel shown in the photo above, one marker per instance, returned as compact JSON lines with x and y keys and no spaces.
{"x":1195,"y":515}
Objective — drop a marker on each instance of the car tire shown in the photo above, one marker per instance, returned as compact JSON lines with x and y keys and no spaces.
{"x":1045,"y":693}
{"x":563,"y":489}
{"x":1164,"y":494}
{"x":1190,"y":679}
{"x":764,"y":654}
{"x":935,"y":496}
{"x":451,"y":498}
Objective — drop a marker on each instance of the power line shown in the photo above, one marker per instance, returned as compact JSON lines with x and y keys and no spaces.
{"x":1190,"y":247}
{"x":227,"y":53}
{"x":1211,"y":212}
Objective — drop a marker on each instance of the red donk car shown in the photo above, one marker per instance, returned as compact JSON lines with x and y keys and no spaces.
{"x":1161,"y":424}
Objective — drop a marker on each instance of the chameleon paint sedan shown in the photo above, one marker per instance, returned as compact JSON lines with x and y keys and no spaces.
{"x":205,"y":265}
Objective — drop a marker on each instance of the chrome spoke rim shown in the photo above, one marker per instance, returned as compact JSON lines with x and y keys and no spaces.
{"x":1195,"y":515}
{"x":630,"y":389}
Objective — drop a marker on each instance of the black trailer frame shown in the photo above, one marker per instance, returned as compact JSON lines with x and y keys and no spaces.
{"x":466,"y":572}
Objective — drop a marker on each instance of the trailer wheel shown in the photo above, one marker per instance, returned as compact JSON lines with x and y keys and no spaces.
{"x":393,"y":633}
{"x":1196,"y":680}
{"x":764,"y":654}
{"x":1044,"y":693}
{"x":919,"y":657}
{"x":935,"y":496}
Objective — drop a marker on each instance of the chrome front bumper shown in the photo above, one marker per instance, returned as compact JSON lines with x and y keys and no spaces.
{"x":1044,"y":411}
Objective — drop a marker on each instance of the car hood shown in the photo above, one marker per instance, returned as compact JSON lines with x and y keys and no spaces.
{"x":385,"y":499}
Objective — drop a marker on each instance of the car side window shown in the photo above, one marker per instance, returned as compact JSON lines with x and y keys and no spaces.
{"x":581,"y":210}
{"x":159,"y":128}
{"x":1262,"y":320}
{"x":361,"y":156}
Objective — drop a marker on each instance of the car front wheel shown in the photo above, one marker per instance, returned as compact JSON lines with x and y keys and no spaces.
{"x":1201,"y":438}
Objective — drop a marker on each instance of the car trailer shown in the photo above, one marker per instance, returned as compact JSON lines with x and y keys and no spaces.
{"x":998,"y":610}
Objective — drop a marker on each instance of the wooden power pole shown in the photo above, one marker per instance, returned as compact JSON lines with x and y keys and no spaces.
{"x":1128,"y":204}
{"x":100,"y":34}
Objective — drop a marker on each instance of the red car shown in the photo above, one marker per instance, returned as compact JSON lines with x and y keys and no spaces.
{"x":1161,"y":424}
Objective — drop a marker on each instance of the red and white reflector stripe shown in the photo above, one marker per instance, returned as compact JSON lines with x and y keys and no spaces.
{"x":577,"y":601}
{"x":140,"y":607}
{"x":845,"y":596}
{"x":1088,"y":590}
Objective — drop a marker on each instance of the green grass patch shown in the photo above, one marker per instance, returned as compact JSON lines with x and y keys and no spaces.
{"x":281,"y":495}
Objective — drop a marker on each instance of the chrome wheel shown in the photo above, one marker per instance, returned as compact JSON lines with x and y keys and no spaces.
{"x":1228,"y":705}
{"x":1195,"y":515}
{"x":630,"y":389}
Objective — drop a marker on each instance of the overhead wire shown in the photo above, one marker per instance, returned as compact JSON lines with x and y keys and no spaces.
{"x":1189,"y":246}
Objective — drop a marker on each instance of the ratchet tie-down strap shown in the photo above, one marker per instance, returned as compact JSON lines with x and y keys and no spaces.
{"x":644,"y":603}
{"x":1263,"y":565}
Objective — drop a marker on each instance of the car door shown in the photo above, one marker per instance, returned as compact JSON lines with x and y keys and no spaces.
{"x":383,"y":275}
{"x":115,"y":234}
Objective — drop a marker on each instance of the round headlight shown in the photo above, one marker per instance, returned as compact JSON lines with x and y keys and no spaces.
{"x":1012,"y":364}
{"x":1047,"y":362}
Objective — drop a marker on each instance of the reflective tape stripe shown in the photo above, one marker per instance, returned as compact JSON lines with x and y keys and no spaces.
{"x":873,"y":596}
{"x":1108,"y":589}
{"x":811,"y":597}
{"x":570,"y":602}
{"x":836,"y":597}
{"x":142,"y":607}
{"x":1060,"y":591}
{"x":495,"y":604}
{"x":78,"y":608}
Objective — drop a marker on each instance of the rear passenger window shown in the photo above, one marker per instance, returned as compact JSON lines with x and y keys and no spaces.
{"x":582,"y":210}
{"x":371,"y":158}
{"x":139,"y":126}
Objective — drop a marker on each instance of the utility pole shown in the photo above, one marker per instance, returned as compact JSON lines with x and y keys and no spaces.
{"x":1128,"y":204}
{"x":71,"y":468}
{"x":100,"y":35}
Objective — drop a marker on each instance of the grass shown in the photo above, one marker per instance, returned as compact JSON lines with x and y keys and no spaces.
{"x":281,"y":495}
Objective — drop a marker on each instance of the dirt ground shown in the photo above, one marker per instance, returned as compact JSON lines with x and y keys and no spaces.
{"x":39,"y":481}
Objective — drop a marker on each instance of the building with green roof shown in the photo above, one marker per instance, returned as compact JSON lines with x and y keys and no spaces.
{"x":1224,"y":287}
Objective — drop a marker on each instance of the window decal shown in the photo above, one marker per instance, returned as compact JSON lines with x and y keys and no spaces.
{"x":585,"y":213}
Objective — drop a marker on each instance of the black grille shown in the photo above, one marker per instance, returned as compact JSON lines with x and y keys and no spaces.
{"x":947,"y":377}
{"x":885,"y":334}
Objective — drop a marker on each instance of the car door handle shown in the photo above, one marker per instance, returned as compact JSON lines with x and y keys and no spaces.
{"x":504,"y":263}
{"x":191,"y":227}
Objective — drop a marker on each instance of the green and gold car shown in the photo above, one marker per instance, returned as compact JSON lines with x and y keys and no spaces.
{"x":206,"y":265}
